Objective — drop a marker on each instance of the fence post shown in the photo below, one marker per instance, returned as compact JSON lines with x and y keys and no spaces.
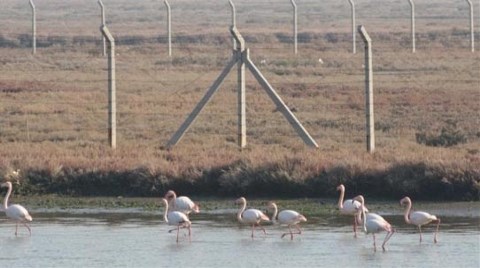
{"x":295,"y":33}
{"x":412,"y":17}
{"x":370,"y":124}
{"x":102,"y":13}
{"x":112,"y":107}
{"x":234,"y":22}
{"x":169,"y":28}
{"x":34,"y":28}
{"x":472,"y":32}
{"x":354,"y":47}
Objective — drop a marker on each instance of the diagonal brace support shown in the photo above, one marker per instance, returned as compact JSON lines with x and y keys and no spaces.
{"x":282,"y":107}
{"x":206,"y":98}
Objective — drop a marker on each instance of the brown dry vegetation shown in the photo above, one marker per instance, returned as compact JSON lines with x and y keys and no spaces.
{"x":53,"y":106}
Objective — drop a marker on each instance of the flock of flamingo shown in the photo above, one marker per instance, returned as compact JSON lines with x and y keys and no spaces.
{"x":177,"y":210}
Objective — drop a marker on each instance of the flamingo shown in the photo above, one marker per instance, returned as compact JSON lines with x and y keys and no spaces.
{"x":419,"y":218}
{"x":289,"y":217}
{"x":250,"y":216}
{"x":181,"y":203}
{"x":176,"y":218}
{"x":374,"y":223}
{"x":349,"y":207}
{"x":15,"y":212}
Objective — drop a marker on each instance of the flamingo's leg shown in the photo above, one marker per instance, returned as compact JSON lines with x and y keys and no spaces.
{"x":298,"y":228}
{"x":253,"y":229}
{"x":263,"y":229}
{"x":190,"y":233}
{"x":420,"y":230}
{"x":436,"y":231}
{"x":374,"y":244}
{"x":178,"y":230}
{"x":16,"y":228}
{"x":387,"y":237}
{"x":28,"y":227}
{"x":289,"y":232}
{"x":354,"y":226}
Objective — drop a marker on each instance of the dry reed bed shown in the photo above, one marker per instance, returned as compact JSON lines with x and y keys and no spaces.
{"x":53,"y":107}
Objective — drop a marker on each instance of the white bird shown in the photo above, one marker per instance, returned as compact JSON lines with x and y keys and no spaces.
{"x":349,"y":207}
{"x":374,"y":223}
{"x":181,"y":203}
{"x":288,"y":217}
{"x":15,"y":212}
{"x":250,"y":216}
{"x":178,"y":219}
{"x":419,"y":218}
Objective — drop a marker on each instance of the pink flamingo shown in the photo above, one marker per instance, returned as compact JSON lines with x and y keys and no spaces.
{"x":15,"y":212}
{"x":419,"y":218}
{"x":178,"y":219}
{"x":288,"y":217}
{"x":181,"y":203}
{"x":374,"y":223}
{"x":349,"y":207}
{"x":250,"y":216}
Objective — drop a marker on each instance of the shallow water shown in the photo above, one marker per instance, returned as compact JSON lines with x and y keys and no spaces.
{"x":135,"y":238}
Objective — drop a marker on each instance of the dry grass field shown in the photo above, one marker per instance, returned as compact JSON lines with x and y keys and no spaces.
{"x":53,"y":105}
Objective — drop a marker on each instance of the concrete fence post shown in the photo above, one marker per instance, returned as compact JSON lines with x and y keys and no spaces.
{"x":34,"y":28}
{"x":472,"y":31}
{"x":169,"y":28}
{"x":112,"y":107}
{"x":412,"y":18}
{"x":354,"y":46}
{"x":295,"y":28}
{"x":242,"y":58}
{"x":370,"y":124}
{"x":241,"y":95}
{"x":102,"y":11}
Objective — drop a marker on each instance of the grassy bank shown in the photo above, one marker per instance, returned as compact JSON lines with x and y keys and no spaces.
{"x":292,"y":177}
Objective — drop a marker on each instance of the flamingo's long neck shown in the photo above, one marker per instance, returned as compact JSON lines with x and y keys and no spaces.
{"x":165,"y":218}
{"x":362,"y":201}
{"x":5,"y":200}
{"x":275,"y":212}
{"x":173,"y":201}
{"x":242,"y":209}
{"x":407,"y":211}
{"x":340,"y":200}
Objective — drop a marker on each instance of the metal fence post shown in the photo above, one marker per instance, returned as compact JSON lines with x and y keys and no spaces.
{"x":472,"y":32}
{"x":354,"y":47}
{"x":412,"y":17}
{"x":370,"y":125}
{"x":295,"y":33}
{"x":102,"y":10}
{"x":169,"y":28}
{"x":234,"y":22}
{"x":34,"y":28}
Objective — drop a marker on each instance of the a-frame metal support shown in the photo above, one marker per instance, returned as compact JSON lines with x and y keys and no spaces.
{"x":242,"y":58}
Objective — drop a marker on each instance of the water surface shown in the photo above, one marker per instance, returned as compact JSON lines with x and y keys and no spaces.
{"x":137,"y":238}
